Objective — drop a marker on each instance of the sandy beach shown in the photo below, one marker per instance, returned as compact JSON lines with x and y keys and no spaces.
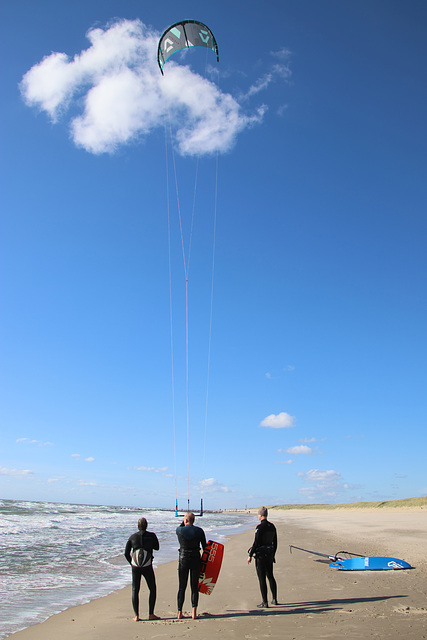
{"x":315,"y":601}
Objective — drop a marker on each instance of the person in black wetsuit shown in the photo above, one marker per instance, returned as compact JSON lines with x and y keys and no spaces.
{"x":139,"y":554}
{"x":190,"y":538}
{"x":264,"y":549}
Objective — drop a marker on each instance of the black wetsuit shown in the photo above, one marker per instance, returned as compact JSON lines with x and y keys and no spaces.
{"x":264,"y":549}
{"x":190,"y":538}
{"x":139,"y":554}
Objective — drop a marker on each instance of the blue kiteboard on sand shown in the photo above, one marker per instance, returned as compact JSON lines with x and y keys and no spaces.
{"x":348,"y":561}
{"x":369,"y":563}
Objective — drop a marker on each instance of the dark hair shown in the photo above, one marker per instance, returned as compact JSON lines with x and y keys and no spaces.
{"x":142,"y":524}
{"x":263,"y":512}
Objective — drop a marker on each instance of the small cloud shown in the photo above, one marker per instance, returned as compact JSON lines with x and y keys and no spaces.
{"x":279,"y":70}
{"x":210,"y":485}
{"x":281,"y":421}
{"x":56,"y":479}
{"x":289,"y":367}
{"x":15,"y":473}
{"x":324,"y":484}
{"x":39,"y":443}
{"x":77,"y":456}
{"x":319,"y":476}
{"x":300,"y":450}
{"x":161,"y":470}
{"x":268,"y":375}
{"x":283,"y":54}
{"x":285,"y":462}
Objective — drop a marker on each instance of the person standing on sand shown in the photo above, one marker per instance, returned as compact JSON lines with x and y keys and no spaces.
{"x":139,"y":554}
{"x":190,"y":538}
{"x":264,"y":549}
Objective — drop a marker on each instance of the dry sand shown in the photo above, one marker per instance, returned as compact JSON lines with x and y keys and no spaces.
{"x":316,"y":601}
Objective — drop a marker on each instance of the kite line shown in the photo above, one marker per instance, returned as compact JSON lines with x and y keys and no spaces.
{"x":184,"y":35}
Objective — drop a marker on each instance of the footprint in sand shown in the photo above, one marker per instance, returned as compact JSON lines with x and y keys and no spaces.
{"x":411,"y":610}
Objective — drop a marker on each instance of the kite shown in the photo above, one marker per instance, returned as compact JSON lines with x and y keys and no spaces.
{"x":185,"y":34}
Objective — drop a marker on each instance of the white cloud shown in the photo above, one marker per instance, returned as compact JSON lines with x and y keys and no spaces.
{"x":77,"y":456}
{"x":260,"y":84}
{"x":285,"y":462}
{"x":324,"y":484}
{"x":161,"y":470}
{"x":281,"y":421}
{"x":319,"y":476}
{"x":283,"y":54}
{"x":37,"y":442}
{"x":210,"y":485}
{"x":280,"y":69}
{"x":122,"y":96}
{"x":301,"y":449}
{"x":15,"y":473}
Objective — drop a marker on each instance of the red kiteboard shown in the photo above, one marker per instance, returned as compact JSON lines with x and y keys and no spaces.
{"x":211,"y":564}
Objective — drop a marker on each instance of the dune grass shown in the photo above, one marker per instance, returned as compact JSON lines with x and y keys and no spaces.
{"x":391,"y":504}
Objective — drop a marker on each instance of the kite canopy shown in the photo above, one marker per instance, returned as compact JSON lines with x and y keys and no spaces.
{"x":185,"y":34}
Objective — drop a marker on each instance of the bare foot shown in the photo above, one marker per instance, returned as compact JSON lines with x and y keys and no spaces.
{"x":180,"y":616}
{"x":153,"y":617}
{"x":136,"y":619}
{"x":194,"y":613}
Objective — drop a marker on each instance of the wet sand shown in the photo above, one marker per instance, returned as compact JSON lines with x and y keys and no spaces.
{"x":315,"y":601}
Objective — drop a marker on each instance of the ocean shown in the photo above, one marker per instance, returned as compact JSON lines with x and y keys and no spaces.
{"x":54,"y":556}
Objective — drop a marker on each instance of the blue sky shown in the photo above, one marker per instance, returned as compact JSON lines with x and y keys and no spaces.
{"x":313,"y":125}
